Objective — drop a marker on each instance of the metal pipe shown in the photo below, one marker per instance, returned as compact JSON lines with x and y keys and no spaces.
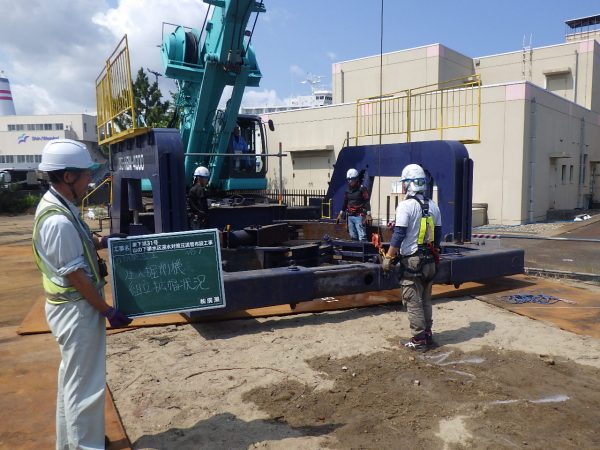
{"x":575,"y":76}
{"x":280,"y":174}
{"x":581,"y":152}
{"x":532,"y":142}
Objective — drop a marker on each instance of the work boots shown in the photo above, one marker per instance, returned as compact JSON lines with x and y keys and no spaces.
{"x":429,"y":338}
{"x":421,"y":342}
{"x":417,"y":343}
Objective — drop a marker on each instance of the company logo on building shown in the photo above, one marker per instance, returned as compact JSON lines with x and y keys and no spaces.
{"x":22,"y":138}
{"x":43,"y":138}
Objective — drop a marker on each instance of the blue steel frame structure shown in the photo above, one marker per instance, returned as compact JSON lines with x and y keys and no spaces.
{"x":446,"y":162}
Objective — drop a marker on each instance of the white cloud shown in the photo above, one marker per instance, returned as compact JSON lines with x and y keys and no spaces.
{"x":297,"y":70}
{"x":52,"y":52}
{"x":257,"y":98}
{"x":143,"y":24}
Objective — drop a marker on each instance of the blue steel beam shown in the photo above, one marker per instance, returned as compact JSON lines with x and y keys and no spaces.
{"x":279,"y":286}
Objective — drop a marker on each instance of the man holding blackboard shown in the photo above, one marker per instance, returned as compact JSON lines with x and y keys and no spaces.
{"x":73,"y":280}
{"x":197,"y":199}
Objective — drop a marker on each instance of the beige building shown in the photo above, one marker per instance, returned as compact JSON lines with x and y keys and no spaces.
{"x":539,"y":121}
{"x":22,"y":138}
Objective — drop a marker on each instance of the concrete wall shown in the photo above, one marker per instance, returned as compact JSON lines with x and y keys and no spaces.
{"x":574,"y":61}
{"x":359,"y":78}
{"x":561,"y":142}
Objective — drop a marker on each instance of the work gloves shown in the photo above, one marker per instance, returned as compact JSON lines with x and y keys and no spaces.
{"x":367,"y":220}
{"x":116,"y":318}
{"x":104,"y":239}
{"x":386,"y":264}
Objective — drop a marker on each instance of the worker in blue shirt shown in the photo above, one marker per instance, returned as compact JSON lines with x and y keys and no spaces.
{"x":73,"y":281}
{"x":239,"y":146}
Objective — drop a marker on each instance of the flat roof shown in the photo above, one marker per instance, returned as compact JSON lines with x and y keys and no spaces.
{"x":583,"y":21}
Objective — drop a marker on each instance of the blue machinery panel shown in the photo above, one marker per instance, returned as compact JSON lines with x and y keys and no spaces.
{"x":447,"y":162}
{"x":158,"y":157}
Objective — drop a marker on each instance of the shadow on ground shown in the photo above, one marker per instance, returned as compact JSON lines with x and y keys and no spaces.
{"x":472,"y":331}
{"x":234,"y":328}
{"x":226,"y":431}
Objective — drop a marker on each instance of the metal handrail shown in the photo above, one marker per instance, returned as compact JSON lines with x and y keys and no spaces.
{"x":439,"y":106}
{"x":114,"y":98}
{"x":105,"y":181}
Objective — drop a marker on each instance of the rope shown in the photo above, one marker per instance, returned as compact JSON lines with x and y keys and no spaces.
{"x":540,"y":299}
{"x":380,"y":121}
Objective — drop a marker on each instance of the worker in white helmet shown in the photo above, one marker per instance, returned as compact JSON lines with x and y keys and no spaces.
{"x":197,"y":199}
{"x":73,"y":280}
{"x":416,"y":240}
{"x":356,"y":206}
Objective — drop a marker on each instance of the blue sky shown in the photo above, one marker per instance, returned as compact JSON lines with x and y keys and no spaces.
{"x":53,"y":51}
{"x":305,"y":33}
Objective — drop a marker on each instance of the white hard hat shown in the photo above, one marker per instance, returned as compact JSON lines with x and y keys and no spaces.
{"x":414,"y":178}
{"x":352,"y":173}
{"x":201,"y":171}
{"x":61,"y":154}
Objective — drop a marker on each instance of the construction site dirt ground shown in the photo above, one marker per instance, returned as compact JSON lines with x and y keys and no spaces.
{"x":335,"y":379}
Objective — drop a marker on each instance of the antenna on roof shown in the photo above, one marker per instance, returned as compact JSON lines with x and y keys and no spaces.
{"x":313,"y":80}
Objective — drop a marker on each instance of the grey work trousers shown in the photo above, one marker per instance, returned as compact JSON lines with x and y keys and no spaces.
{"x":416,"y":293}
{"x":81,"y":334}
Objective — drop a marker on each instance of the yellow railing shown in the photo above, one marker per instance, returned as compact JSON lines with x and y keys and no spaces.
{"x":453,"y":104}
{"x":326,"y":209}
{"x":89,"y":194}
{"x":114,"y":98}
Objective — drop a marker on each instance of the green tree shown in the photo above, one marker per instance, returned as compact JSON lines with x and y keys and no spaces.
{"x":148,"y":102}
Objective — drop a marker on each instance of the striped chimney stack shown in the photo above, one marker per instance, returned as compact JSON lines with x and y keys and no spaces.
{"x":7,"y":107}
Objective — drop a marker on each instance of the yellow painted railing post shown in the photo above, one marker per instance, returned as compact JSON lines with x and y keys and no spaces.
{"x":441,"y":124}
{"x":408,"y":114}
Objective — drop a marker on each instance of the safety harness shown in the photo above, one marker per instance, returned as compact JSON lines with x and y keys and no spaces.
{"x":424,"y":240}
{"x":56,"y":293}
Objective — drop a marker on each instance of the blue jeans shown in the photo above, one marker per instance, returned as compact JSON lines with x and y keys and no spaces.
{"x":357,"y":229}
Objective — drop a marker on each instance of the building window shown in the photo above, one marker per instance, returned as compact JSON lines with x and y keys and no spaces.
{"x":570,"y":173}
{"x":560,"y":83}
{"x":20,"y":127}
{"x":84,"y":127}
{"x":585,"y":157}
{"x":11,"y":128}
{"x":20,"y":158}
{"x":38,"y":158}
{"x":563,"y":173}
{"x":30,"y":127}
{"x":47,"y":126}
{"x":58,"y":126}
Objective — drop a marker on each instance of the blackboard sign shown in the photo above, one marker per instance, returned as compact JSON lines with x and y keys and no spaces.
{"x":165,"y":273}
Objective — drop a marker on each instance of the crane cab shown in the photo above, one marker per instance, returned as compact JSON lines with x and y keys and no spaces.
{"x":245,"y":164}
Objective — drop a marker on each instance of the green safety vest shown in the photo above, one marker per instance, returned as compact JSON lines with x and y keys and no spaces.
{"x":55,"y":293}
{"x":426,"y":226}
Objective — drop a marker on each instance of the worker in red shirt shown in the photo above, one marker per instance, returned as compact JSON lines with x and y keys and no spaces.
{"x":357,"y":207}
